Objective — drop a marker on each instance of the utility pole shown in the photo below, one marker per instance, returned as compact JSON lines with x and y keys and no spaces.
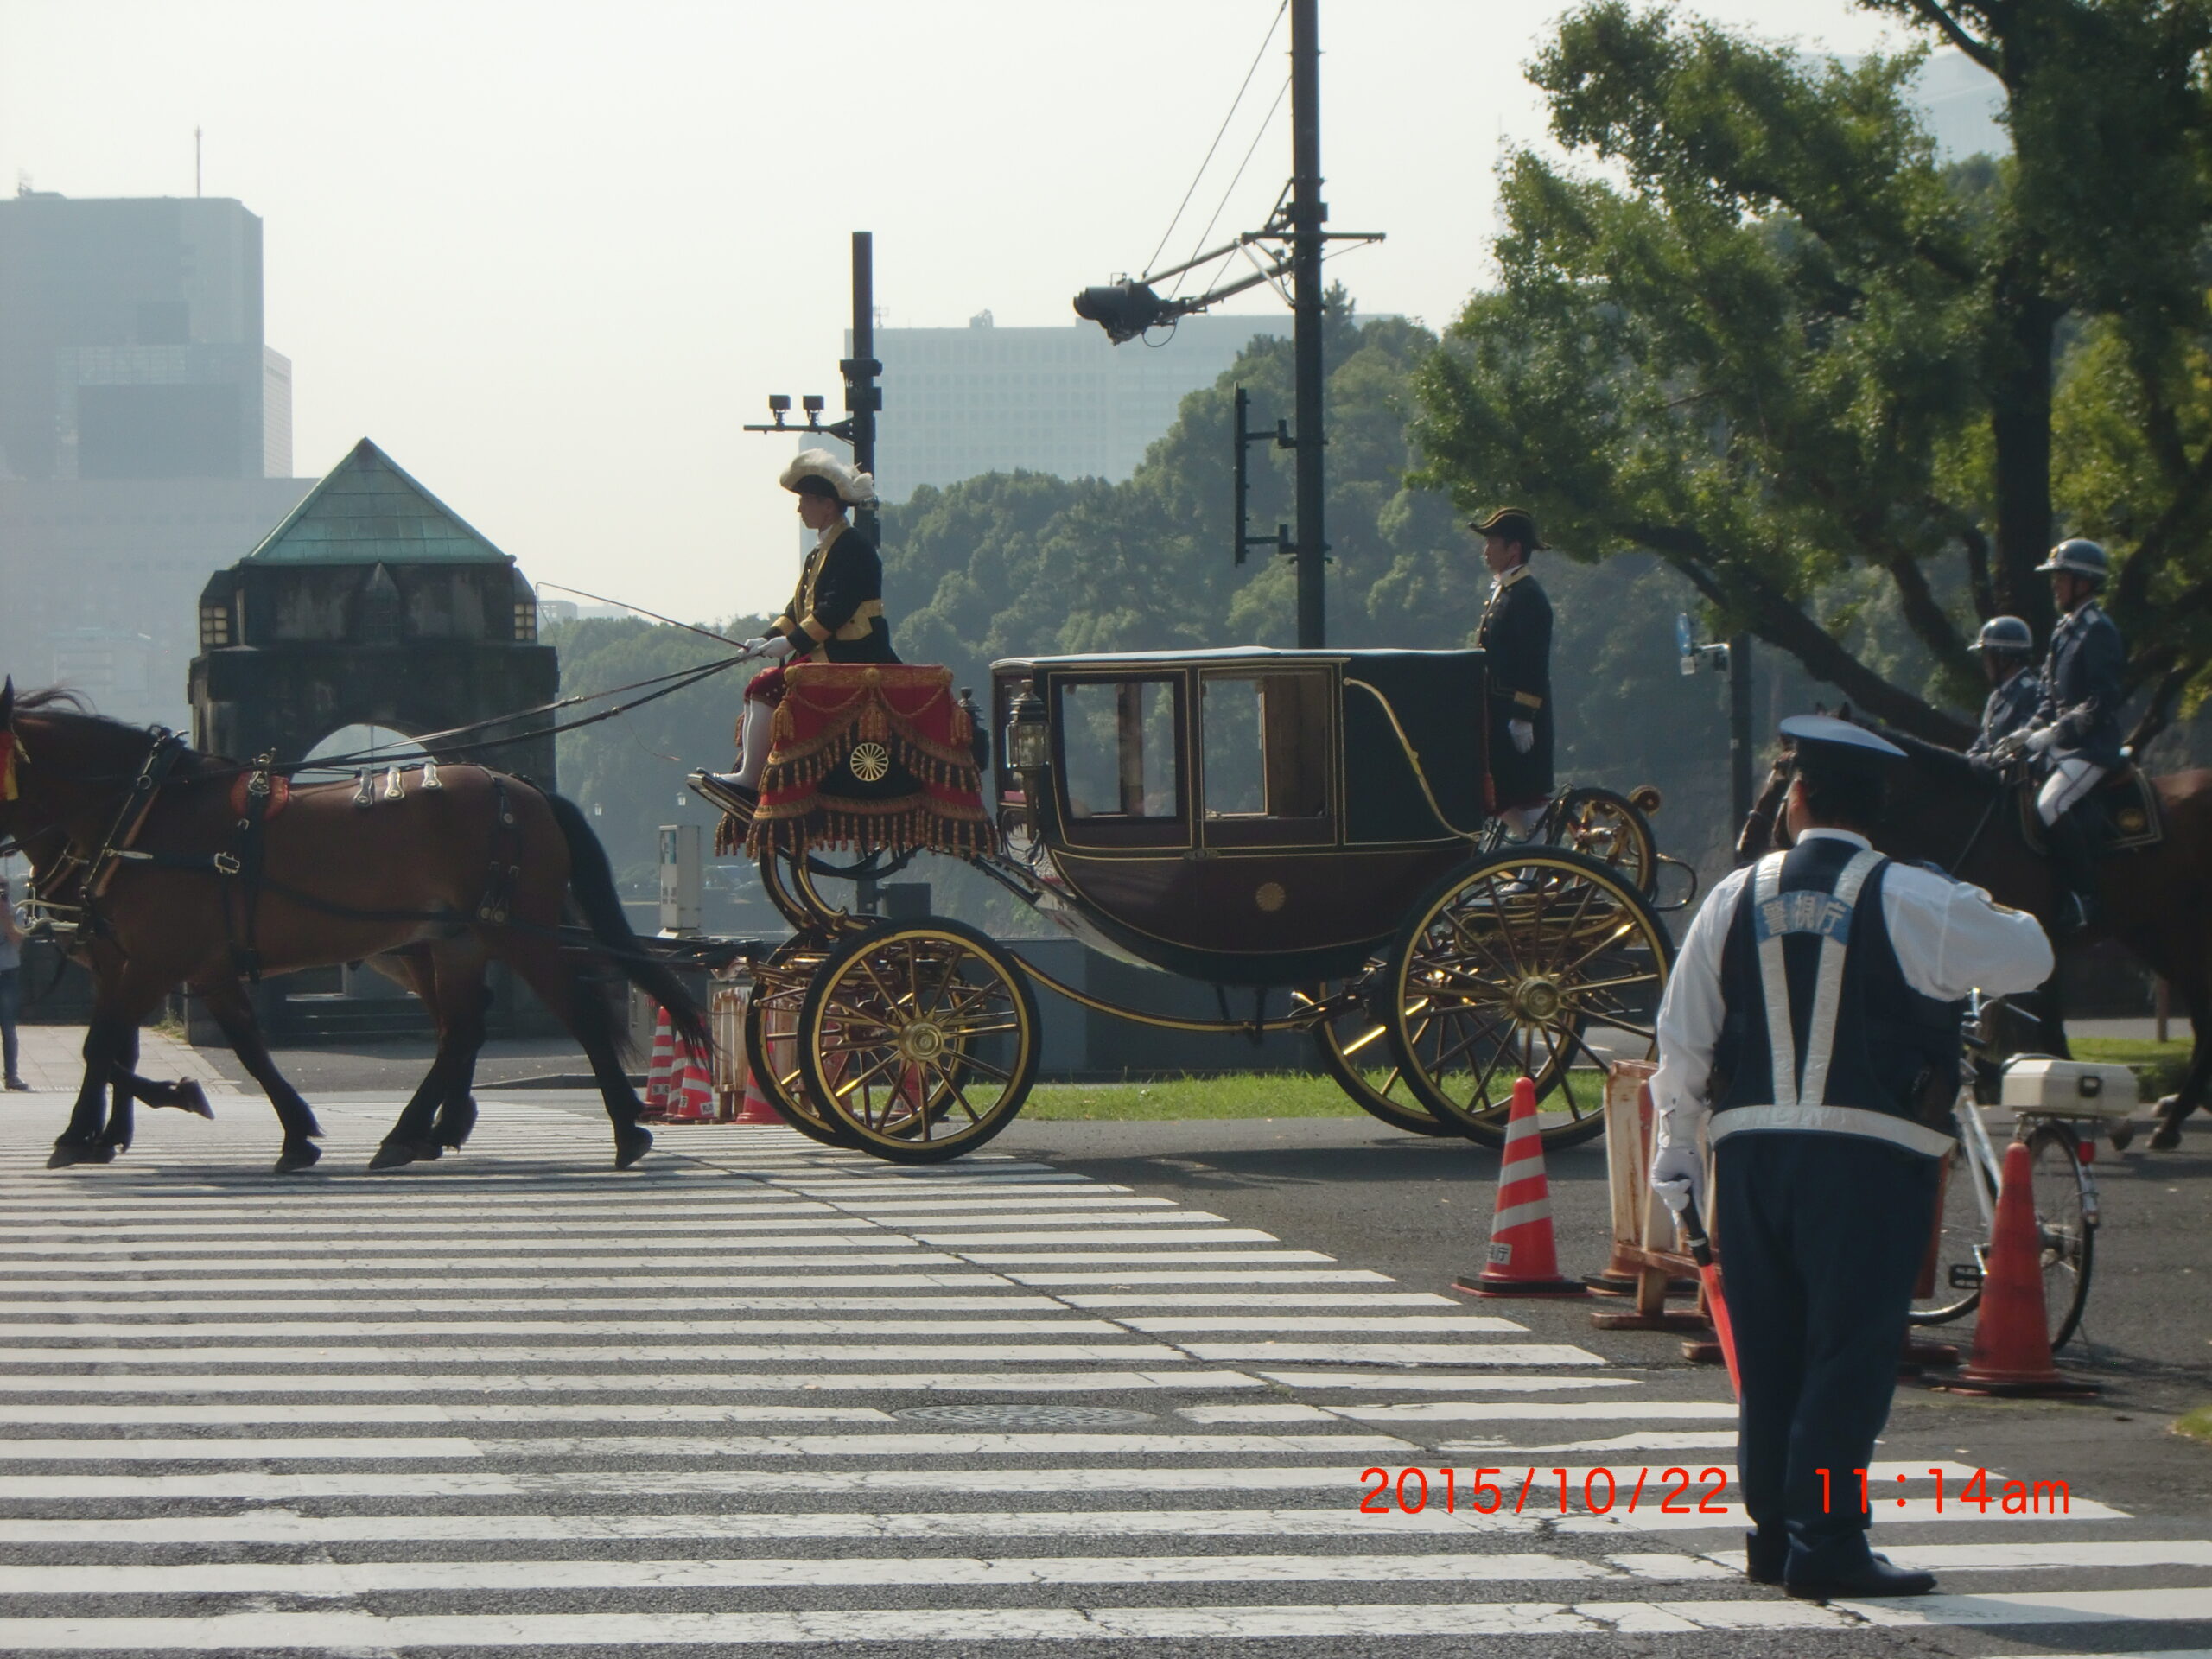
{"x":1739,"y":726}
{"x":1307,"y":211}
{"x":862,"y":396}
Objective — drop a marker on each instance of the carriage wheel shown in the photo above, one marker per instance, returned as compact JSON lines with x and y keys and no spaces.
{"x":1354,"y":1049}
{"x":921,"y":1038}
{"x":1603,"y":825}
{"x":771,"y":1039}
{"x":1533,"y":963}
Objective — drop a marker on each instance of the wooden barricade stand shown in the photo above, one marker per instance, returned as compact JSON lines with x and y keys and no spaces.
{"x":726,"y":1009}
{"x":1644,"y":1253}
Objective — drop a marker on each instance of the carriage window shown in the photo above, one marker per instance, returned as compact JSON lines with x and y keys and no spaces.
{"x":1118,"y":748}
{"x":1266,"y":748}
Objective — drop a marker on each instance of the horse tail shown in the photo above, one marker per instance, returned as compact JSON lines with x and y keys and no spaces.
{"x":591,"y":878}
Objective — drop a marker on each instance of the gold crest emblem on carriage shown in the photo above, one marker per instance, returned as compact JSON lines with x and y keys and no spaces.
{"x":870,"y":762}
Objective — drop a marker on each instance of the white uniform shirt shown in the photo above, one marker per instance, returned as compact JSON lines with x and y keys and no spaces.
{"x":1950,"y":939}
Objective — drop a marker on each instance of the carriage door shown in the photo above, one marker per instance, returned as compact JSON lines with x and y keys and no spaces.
{"x":1121,"y":765}
{"x":1267,"y":772}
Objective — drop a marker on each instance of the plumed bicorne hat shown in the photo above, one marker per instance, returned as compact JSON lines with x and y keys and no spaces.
{"x":854,"y":488}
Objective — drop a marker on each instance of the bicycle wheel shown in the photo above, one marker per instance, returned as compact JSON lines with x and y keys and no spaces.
{"x":1355,"y":1050}
{"x":2063,"y":1227}
{"x":1953,"y":1288}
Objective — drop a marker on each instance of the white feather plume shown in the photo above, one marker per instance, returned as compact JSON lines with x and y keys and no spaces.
{"x":855,"y":488}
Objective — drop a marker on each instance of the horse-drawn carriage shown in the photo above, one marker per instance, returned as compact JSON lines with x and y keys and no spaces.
{"x":1309,"y":826}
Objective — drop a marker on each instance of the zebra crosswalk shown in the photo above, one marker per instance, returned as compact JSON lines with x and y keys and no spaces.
{"x":760,"y":1393}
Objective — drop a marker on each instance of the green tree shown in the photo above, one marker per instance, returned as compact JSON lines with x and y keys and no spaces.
{"x":1780,"y":346}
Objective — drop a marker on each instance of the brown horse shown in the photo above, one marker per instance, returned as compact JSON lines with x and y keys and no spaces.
{"x":431,"y":888}
{"x":2157,"y":902}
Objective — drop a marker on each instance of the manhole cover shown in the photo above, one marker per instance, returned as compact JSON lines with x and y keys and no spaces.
{"x":1024,"y":1416}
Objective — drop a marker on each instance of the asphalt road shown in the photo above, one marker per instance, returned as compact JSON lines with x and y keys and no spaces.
{"x":512,"y":1403}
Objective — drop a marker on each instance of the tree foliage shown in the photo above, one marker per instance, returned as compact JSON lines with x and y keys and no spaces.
{"x":1771,"y":339}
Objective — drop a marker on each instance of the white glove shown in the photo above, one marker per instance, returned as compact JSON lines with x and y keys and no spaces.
{"x":755,"y":646}
{"x":1678,"y":1176}
{"x":2040,"y":739}
{"x":777,"y":646}
{"x":1523,"y":734}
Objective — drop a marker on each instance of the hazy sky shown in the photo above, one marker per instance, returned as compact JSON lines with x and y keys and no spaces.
{"x":552,"y":256}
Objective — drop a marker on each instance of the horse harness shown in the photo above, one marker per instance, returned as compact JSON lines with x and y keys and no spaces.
{"x":68,"y":897}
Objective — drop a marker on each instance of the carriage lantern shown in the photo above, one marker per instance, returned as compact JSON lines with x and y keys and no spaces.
{"x":526,"y":611}
{"x":1029,"y":741}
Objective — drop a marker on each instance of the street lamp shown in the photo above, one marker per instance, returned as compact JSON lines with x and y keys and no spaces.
{"x":1129,"y":305}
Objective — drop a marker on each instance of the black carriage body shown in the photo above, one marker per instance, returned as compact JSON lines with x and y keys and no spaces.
{"x":1252,"y":817}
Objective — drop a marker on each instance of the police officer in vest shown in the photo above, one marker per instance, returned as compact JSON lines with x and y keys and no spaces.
{"x":1811,"y":1031}
{"x":2016,"y":688}
{"x":835,"y":614}
{"x":2075,"y":732}
{"x":1516,"y":631}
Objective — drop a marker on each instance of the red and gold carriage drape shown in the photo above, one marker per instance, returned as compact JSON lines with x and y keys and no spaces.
{"x":847,"y":737}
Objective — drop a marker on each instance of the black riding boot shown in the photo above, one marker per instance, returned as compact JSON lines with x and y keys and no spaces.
{"x":2074,"y":859}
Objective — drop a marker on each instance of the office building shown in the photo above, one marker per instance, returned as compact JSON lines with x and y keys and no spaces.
{"x":130,"y":342}
{"x":960,"y":402}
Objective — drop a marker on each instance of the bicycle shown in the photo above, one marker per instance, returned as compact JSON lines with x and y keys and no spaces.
{"x":2064,"y":1188}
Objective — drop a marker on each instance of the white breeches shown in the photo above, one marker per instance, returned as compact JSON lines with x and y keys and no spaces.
{"x":754,"y":755}
{"x":2070,"y":780}
{"x":1521,"y":822}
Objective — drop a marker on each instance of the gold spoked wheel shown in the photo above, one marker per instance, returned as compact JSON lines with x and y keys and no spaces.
{"x":1606,"y":826}
{"x":1532,"y":962}
{"x":921,"y":1039}
{"x":1354,"y":1047}
{"x":771,"y":1038}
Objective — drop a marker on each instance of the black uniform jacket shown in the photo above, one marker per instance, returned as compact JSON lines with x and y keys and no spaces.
{"x":836,"y":614}
{"x":1516,"y":634}
{"x":2010,"y":707}
{"x":2082,"y":687}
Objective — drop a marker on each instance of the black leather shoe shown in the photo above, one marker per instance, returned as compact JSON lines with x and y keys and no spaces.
{"x":1764,"y":1555}
{"x":1872,"y":1577}
{"x":724,"y":790}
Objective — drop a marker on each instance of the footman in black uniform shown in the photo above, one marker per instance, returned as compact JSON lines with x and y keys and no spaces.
{"x":1516,"y":631}
{"x":1811,"y":1029}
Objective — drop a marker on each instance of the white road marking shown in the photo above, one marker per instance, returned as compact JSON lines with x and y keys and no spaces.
{"x":1539,"y":1411}
{"x":306,"y":1448}
{"x":1462,"y":1620}
{"x":1224,"y":1235}
{"x":602,"y":1353}
{"x":1128,"y":1261}
{"x":421,"y":1242}
{"x":170,"y":1386}
{"x":360,"y":1578}
{"x":1217,"y":1276}
{"x":580,"y":1328}
{"x":2044,"y":1554}
{"x":169,"y":1308}
{"x":1412,"y":1381}
{"x":1443,"y":1324}
{"x":367,"y":1269}
{"x":1393,"y":1353}
{"x":1258,"y":1299}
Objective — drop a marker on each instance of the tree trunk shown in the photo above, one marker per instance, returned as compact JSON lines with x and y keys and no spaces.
{"x":2020,"y":399}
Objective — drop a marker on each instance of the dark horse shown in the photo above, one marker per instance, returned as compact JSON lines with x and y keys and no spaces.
{"x":431,"y":887}
{"x":2156,"y":901}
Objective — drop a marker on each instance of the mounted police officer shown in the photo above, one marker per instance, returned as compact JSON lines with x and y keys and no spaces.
{"x":1811,"y":1030}
{"x":2075,"y":732}
{"x":2006,"y":646}
{"x":1516,"y":632}
{"x":835,"y":614}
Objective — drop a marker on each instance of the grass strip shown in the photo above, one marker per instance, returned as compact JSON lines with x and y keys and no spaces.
{"x":2197,"y":1425}
{"x":1240,"y":1094}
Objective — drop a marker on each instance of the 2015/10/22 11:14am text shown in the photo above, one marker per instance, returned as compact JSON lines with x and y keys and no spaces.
{"x":1675,"y":1490}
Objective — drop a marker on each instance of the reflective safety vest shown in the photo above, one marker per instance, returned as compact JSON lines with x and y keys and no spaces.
{"x":1822,"y":1033}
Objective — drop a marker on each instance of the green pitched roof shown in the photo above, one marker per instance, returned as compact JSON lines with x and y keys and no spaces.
{"x":368,"y":510}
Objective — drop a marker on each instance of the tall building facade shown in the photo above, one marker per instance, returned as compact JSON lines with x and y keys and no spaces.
{"x":960,"y":402}
{"x":145,"y":435}
{"x":130,"y":342}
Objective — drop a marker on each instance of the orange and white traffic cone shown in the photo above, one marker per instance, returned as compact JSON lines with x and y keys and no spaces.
{"x":692,"y":1098}
{"x":1523,"y":1261}
{"x":656,"y":1074}
{"x":756,"y":1108}
{"x":2011,"y":1343}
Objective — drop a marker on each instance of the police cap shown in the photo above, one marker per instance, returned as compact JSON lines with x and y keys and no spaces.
{"x":1510,"y":525}
{"x":1826,"y":738}
{"x":2080,"y":557}
{"x":2005,"y":633}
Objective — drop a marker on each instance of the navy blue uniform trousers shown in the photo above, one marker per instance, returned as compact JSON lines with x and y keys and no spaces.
{"x":1821,"y":1238}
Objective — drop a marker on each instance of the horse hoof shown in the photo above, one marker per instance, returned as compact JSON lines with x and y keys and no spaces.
{"x":191,"y":1098}
{"x":298,"y":1155}
{"x":66,"y":1153}
{"x":392,"y":1153}
{"x":630,"y":1145}
{"x":2165,"y":1137}
{"x":456,"y":1125}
